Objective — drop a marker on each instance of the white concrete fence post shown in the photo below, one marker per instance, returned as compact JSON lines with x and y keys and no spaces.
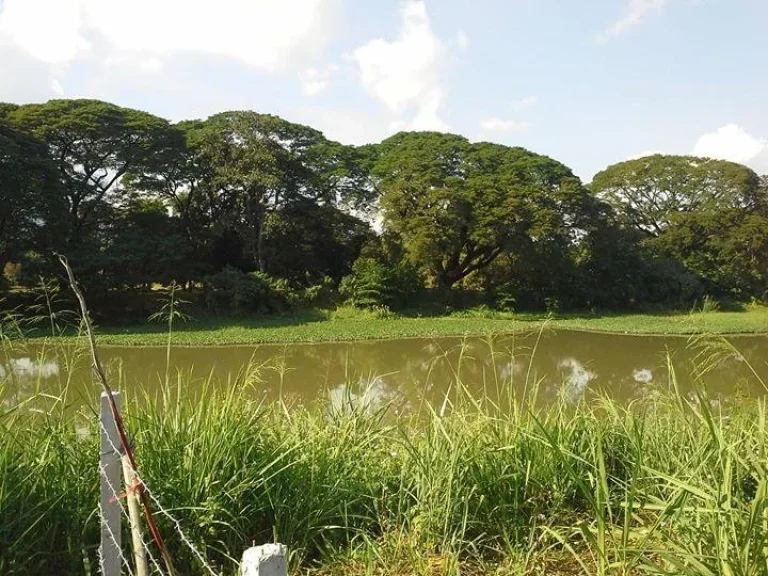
{"x":266,"y":560}
{"x":110,"y":473}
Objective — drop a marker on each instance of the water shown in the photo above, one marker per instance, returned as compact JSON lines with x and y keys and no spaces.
{"x":406,"y":372}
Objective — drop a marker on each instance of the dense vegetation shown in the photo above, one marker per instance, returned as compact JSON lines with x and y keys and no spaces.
{"x":670,"y":485}
{"x":254,"y":214}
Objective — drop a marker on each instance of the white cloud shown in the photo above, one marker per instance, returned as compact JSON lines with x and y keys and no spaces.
{"x":24,"y":78}
{"x":729,"y":142}
{"x":315,"y":80}
{"x":462,"y":40}
{"x":428,"y":117}
{"x":266,"y":34}
{"x":499,"y":125}
{"x":634,"y":12}
{"x":348,"y":126}
{"x":526,"y":102}
{"x":151,"y":65}
{"x":50,"y":30}
{"x":732,"y":142}
{"x":404,"y":73}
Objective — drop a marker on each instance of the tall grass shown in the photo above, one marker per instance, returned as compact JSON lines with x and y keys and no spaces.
{"x":672,"y":484}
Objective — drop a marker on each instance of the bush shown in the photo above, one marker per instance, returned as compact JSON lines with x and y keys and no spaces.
{"x":349,"y":312}
{"x":373,"y":284}
{"x":232,"y":290}
{"x":319,"y":294}
{"x":12,"y":273}
{"x":504,"y":298}
{"x":710,"y":304}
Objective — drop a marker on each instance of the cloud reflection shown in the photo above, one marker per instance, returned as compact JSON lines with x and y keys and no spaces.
{"x":27,"y":370}
{"x":576,"y":378}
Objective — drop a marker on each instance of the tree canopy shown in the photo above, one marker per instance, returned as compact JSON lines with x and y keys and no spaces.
{"x":651,"y":192}
{"x":92,"y":144}
{"x":257,"y":213}
{"x":32,"y":205}
{"x":458,"y":206}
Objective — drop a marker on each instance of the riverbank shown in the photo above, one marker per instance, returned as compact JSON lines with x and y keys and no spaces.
{"x":347,"y":324}
{"x":665,"y":486}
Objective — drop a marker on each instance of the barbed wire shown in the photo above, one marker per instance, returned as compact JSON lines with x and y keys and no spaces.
{"x":117,"y":498}
{"x":162,"y":510}
{"x":105,"y":524}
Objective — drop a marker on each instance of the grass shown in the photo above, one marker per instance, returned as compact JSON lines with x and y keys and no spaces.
{"x":350,"y":324}
{"x":671,"y":484}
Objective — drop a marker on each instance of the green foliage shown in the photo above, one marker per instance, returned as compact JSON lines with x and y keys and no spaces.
{"x":373,"y":284}
{"x":306,"y":241}
{"x":258,"y":163}
{"x":135,"y":202}
{"x":458,"y":206}
{"x":726,"y":249}
{"x":30,"y":196}
{"x":92,"y":144}
{"x":321,"y":294}
{"x":709,"y":304}
{"x":12,"y":273}
{"x":147,"y":246}
{"x":241,"y":292}
{"x":650,"y":192}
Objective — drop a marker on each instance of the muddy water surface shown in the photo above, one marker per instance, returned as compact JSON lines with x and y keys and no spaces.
{"x":407,"y":372}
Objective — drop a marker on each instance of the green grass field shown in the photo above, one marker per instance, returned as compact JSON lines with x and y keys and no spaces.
{"x":349,"y":324}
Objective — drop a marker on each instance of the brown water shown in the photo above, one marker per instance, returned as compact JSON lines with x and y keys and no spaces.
{"x":406,"y":372}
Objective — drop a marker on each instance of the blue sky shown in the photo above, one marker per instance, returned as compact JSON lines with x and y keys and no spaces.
{"x":587,"y":82}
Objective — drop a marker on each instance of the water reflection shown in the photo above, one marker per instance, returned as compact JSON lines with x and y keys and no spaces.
{"x":26,"y":369}
{"x":369,"y":396}
{"x":642,"y":375}
{"x":576,"y":378}
{"x":371,"y":374}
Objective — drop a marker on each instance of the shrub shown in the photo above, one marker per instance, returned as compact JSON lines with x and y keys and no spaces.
{"x":504,"y":298}
{"x":235,"y":291}
{"x":709,"y":304}
{"x":373,"y":284}
{"x":319,"y":294}
{"x":12,"y":273}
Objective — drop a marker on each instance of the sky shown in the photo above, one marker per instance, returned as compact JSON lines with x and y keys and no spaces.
{"x":588,"y":82}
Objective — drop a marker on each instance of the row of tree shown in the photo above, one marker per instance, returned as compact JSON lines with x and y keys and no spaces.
{"x":134,"y":201}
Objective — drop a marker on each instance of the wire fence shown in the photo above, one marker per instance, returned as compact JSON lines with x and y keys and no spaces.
{"x":116,"y":496}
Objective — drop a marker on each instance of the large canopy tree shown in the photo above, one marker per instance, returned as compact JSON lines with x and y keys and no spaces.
{"x":710,"y":216}
{"x":458,"y":206}
{"x":259,"y":163}
{"x":93,"y":144}
{"x":306,"y":241}
{"x":31,"y":204}
{"x":177,"y":175}
{"x":651,"y":192}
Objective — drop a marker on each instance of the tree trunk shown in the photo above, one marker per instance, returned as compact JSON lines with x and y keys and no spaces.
{"x":260,"y":247}
{"x":445,"y":284}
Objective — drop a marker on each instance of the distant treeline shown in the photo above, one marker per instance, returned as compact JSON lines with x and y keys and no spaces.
{"x":264,"y":214}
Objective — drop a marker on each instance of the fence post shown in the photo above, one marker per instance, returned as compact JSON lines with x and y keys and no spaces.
{"x":134,"y":517}
{"x":266,"y":560}
{"x":110,"y":551}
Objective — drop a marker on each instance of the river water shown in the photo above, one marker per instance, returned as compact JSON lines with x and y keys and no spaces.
{"x":407,"y":372}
